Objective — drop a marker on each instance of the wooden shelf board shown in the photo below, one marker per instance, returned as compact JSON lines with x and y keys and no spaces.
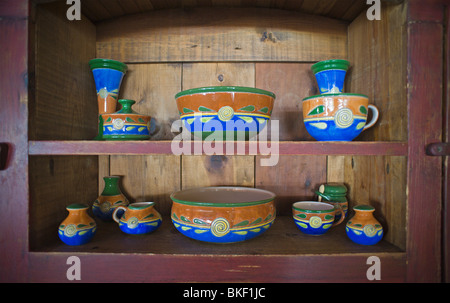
{"x":282,"y":239}
{"x":91,"y":147}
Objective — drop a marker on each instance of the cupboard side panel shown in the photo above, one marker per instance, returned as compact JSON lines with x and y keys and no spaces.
{"x":13,"y":141}
{"x":65,"y":103}
{"x":425,"y":70}
{"x":377,"y":55}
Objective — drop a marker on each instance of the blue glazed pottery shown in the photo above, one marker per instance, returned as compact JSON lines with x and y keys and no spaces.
{"x":78,"y":228}
{"x":315,"y":218}
{"x":330,"y":75}
{"x":222,"y":214}
{"x":225,"y":112}
{"x":363,"y":228}
{"x":126,"y":124}
{"x":138,"y":218}
{"x":337,"y":117}
{"x":108,"y":75}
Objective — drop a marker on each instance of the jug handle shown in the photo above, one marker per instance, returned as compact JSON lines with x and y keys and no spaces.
{"x":114,"y":215}
{"x":375,"y":115}
{"x":322,"y":195}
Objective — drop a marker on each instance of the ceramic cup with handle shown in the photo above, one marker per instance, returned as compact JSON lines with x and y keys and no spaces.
{"x":315,"y":218}
{"x":337,"y":117}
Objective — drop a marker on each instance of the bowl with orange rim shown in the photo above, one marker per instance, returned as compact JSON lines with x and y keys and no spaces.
{"x":223,"y":214}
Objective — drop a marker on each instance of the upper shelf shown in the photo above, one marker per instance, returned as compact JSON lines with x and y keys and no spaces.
{"x":85,"y":147}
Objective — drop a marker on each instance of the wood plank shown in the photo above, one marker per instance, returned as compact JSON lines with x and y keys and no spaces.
{"x":377,"y":54}
{"x":153,"y":87}
{"x":13,"y":133}
{"x":446,"y":138}
{"x":151,"y":177}
{"x":291,"y":82}
{"x":55,"y":183}
{"x":293,"y":178}
{"x":148,"y":178}
{"x":250,"y":148}
{"x":221,"y":34}
{"x":424,"y":93}
{"x":64,"y":106}
{"x":198,"y":171}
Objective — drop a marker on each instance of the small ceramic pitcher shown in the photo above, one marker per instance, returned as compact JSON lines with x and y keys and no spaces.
{"x":334,"y":193}
{"x":315,"y":218}
{"x":139,"y":218}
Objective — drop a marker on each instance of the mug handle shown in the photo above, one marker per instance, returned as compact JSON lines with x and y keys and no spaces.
{"x":114,"y":215}
{"x":342,"y":215}
{"x":375,"y":115}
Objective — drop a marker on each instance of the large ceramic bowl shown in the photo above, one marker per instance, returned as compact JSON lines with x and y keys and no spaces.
{"x":337,"y":117}
{"x":225,"y":112}
{"x":223,"y":214}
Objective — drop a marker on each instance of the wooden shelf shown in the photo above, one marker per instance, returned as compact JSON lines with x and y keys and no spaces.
{"x":283,"y":238}
{"x":90,"y":147}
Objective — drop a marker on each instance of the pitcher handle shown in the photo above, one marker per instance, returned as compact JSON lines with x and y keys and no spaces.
{"x":114,"y":215}
{"x":375,"y":115}
{"x":322,"y":195}
{"x":339,"y":208}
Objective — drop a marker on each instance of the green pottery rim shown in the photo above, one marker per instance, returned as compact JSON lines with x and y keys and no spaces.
{"x":225,"y":204}
{"x":143,"y":206}
{"x":311,"y":211}
{"x":108,"y":63}
{"x":335,"y":95}
{"x":340,"y":64}
{"x":77,"y":206}
{"x":364,"y":207}
{"x":224,"y":89}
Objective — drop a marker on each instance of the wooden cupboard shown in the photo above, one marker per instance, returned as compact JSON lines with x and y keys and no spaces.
{"x":49,"y":115}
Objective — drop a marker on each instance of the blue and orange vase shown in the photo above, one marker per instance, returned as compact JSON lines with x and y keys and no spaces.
{"x":363,"y":228}
{"x":78,"y":228}
{"x":108,"y":75}
{"x":110,"y":199}
{"x":330,"y":75}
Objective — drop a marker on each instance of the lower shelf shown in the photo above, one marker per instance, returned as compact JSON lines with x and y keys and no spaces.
{"x":283,"y":238}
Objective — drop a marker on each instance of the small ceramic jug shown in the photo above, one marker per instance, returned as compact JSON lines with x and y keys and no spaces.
{"x":110,"y":198}
{"x":78,"y":227}
{"x":139,"y":218}
{"x":334,"y":193}
{"x":363,"y":228}
{"x":126,"y":124}
{"x":315,"y":218}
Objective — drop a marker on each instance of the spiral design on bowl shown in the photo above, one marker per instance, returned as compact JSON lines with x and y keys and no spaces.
{"x":369,"y":230}
{"x":343,"y":118}
{"x":220,"y":227}
{"x":315,"y":222}
{"x":70,"y":230}
{"x":225,"y":113}
{"x":132,"y":222}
